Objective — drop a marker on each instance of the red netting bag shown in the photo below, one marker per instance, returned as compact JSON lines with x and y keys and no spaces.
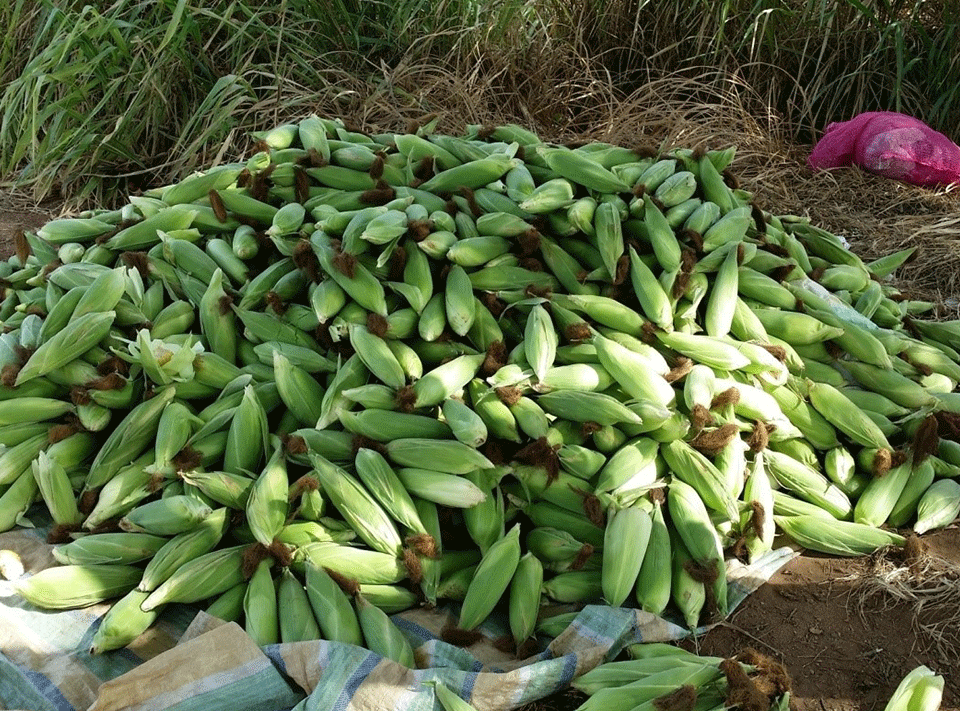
{"x":889,"y":144}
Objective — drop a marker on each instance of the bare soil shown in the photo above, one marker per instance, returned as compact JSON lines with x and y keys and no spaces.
{"x":845,"y":650}
{"x":19,"y":213}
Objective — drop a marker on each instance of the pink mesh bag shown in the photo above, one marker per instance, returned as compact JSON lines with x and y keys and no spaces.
{"x":889,"y":144}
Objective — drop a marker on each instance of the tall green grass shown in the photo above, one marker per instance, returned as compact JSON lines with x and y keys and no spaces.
{"x":144,"y":91}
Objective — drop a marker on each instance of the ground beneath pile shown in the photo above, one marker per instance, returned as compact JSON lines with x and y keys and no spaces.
{"x":845,"y":640}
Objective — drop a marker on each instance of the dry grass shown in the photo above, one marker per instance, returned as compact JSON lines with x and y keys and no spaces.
{"x":930,"y":588}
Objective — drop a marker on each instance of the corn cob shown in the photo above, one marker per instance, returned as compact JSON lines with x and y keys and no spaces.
{"x":183,"y":548}
{"x":54,"y":485}
{"x":575,"y":586}
{"x":202,"y":577}
{"x":166,"y":516}
{"x":68,"y":587}
{"x":228,"y":606}
{"x":66,"y":345}
{"x":381,"y":634}
{"x":128,"y":439}
{"x":109,"y":548}
{"x":442,"y":455}
{"x":334,"y":614}
{"x":386,"y":487}
{"x":938,"y":506}
{"x":652,"y":590}
{"x":625,"y":543}
{"x":365,"y":515}
{"x":694,"y":469}
{"x":123,"y":623}
{"x":296,"y":619}
{"x":695,"y":529}
{"x":493,"y":576}
{"x":260,"y":613}
{"x":721,"y":304}
{"x":844,"y":538}
{"x":809,"y":484}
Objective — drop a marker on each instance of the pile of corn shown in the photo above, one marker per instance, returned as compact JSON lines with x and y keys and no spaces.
{"x":360,"y":373}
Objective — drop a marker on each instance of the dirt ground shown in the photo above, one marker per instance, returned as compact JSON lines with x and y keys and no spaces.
{"x":845,"y":649}
{"x":19,"y":213}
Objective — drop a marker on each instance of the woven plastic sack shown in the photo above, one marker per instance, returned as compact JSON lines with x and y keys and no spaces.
{"x":890,"y":144}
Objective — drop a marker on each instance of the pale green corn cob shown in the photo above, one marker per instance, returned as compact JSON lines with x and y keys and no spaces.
{"x":357,"y":506}
{"x":377,"y":356}
{"x":387,"y":425}
{"x":102,"y":295}
{"x":54,"y":485}
{"x":445,"y":380}
{"x":629,"y":371}
{"x":459,"y":303}
{"x":166,"y":516}
{"x":217,"y":319}
{"x":575,"y":376}
{"x":360,"y":564}
{"x":921,"y":478}
{"x":652,"y":590}
{"x":66,"y":345}
{"x":938,"y":506}
{"x":441,"y":487}
{"x":695,"y":528}
{"x":260,"y":614}
{"x":493,"y":576}
{"x":177,"y":424}
{"x":387,"y":488}
{"x":625,"y":543}
{"x":525,"y":598}
{"x":837,"y":409}
{"x":540,"y":340}
{"x":879,"y":497}
{"x":228,"y":606}
{"x":109,"y":548}
{"x":696,"y":470}
{"x":183,"y":548}
{"x":128,"y":440}
{"x":844,"y":538}
{"x":809,"y":484}
{"x":247,"y":437}
{"x":442,"y":455}
{"x":123,"y":623}
{"x":267,"y":506}
{"x":296,"y":619}
{"x":758,"y":525}
{"x":381,"y":634}
{"x":334,"y":614}
{"x":558,"y":550}
{"x":575,"y":586}
{"x":653,"y":299}
{"x":586,"y":406}
{"x":67,"y":587}
{"x":661,"y":236}
{"x":122,"y":492}
{"x":467,"y":426}
{"x":202,"y":577}
{"x":815,"y":428}
{"x":704,"y":349}
{"x":721,"y":304}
